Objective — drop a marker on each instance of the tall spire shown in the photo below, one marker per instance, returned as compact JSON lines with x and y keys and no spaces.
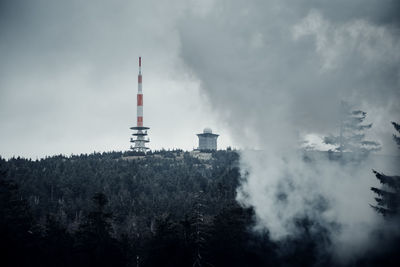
{"x":141,"y":131}
{"x":140,"y":97}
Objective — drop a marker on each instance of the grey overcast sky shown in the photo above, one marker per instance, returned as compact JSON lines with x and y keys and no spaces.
{"x":251,"y":70}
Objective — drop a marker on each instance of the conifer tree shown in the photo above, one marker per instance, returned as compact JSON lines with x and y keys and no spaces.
{"x":16,"y":226}
{"x":352,"y":132}
{"x":95,"y":243}
{"x":200,"y":232}
{"x":388,"y":200}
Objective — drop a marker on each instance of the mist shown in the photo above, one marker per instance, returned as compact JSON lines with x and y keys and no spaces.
{"x":275,"y":72}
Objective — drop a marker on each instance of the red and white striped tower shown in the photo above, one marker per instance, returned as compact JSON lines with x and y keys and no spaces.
{"x":141,"y":131}
{"x":140,"y":97}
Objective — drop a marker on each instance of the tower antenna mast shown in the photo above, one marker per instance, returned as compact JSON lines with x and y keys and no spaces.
{"x":139,"y":144}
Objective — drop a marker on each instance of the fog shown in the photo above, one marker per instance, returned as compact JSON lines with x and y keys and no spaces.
{"x":277,"y":71}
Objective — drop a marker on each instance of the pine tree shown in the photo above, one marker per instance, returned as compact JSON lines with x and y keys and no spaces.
{"x":165,"y":247}
{"x":57,"y":243}
{"x":230,"y":237}
{"x":395,"y":137}
{"x":95,"y":244}
{"x":388,"y":200}
{"x":201,"y":231}
{"x":352,"y":136}
{"x":17,"y":237}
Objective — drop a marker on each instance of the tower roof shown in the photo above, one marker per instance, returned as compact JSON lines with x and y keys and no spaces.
{"x":207,"y":130}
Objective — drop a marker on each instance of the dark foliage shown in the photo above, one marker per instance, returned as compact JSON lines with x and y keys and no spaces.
{"x":18,"y":246}
{"x":165,"y":208}
{"x":388,"y":204}
{"x":396,"y":137}
{"x":388,"y":200}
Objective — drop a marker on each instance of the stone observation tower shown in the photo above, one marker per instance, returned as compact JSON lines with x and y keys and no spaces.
{"x":139,"y":144}
{"x":207,"y":140}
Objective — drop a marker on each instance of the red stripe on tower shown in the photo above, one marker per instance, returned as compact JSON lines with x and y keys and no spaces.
{"x":140,"y":100}
{"x":140,"y":121}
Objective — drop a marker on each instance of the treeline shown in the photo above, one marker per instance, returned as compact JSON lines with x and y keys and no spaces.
{"x":168,"y":208}
{"x":138,"y":188}
{"x":124,"y":209}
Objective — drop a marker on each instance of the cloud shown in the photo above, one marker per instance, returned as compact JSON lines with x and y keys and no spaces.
{"x":301,"y":61}
{"x":276,"y":71}
{"x":335,"y":44}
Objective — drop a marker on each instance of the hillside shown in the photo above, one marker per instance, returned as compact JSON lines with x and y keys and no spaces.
{"x":166,"y":208}
{"x":138,"y":188}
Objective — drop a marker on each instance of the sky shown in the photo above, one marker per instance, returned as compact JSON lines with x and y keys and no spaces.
{"x":68,"y":78}
{"x":259,"y":73}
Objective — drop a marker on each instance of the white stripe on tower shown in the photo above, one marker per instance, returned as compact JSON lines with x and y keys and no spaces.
{"x":140,"y":111}
{"x":140,"y":97}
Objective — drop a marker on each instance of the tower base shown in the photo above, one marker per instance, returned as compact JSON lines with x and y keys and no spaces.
{"x":139,"y":144}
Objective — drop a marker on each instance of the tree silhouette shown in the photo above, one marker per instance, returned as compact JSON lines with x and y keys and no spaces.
{"x":388,"y":200}
{"x":352,"y":132}
{"x":95,"y":245}
{"x":17,"y":237}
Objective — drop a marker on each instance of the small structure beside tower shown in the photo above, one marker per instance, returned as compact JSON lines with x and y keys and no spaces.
{"x":207,"y":140}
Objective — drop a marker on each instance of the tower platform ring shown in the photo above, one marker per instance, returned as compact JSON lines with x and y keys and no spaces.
{"x":139,"y":128}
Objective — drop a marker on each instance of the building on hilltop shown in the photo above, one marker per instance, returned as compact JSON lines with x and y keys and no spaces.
{"x":207,"y":140}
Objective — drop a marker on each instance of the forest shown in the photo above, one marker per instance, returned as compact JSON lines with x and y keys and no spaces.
{"x":165,"y":208}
